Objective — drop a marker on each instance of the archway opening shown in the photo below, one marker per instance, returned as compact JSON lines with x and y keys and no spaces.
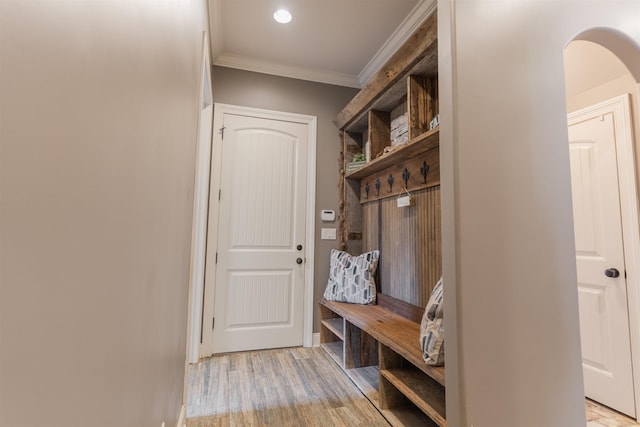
{"x":602,"y":72}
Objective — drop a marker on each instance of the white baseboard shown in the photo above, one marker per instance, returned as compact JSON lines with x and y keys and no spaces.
{"x":315,"y":340}
{"x":182,"y":421}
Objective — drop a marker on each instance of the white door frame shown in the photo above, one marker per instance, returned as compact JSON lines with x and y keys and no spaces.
{"x":620,"y":106}
{"x":207,"y":345}
{"x":200,"y":209}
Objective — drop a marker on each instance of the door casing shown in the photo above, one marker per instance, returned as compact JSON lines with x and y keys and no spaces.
{"x":207,"y":345}
{"x":200,"y":210}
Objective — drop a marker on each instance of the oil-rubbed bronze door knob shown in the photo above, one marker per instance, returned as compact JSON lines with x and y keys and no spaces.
{"x":612,"y":273}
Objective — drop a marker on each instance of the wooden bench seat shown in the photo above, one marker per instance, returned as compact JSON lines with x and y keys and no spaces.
{"x":390,"y":329}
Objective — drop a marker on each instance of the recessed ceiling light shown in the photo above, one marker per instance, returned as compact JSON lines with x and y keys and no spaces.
{"x":282,"y":16}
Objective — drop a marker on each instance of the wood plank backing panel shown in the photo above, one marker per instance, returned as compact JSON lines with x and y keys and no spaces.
{"x":430,"y":237}
{"x":397,"y":253}
{"x":410,"y":252}
{"x":370,"y":226}
{"x":410,"y":244}
{"x":404,"y":309}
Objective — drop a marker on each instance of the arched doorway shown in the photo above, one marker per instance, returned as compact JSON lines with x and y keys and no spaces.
{"x":603,"y":100}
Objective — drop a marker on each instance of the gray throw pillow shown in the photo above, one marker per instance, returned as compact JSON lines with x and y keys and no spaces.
{"x":351,"y":278}
{"x":432,"y":328}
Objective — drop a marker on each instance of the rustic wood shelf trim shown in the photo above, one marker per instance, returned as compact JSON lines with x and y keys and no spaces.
{"x":419,"y":145}
{"x":410,"y":53}
{"x":335,"y":325}
{"x":414,"y":387}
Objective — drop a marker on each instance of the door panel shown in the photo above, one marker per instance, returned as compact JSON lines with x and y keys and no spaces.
{"x":604,"y":320}
{"x":264,"y":163}
{"x":270,"y":304}
{"x":586,"y":199}
{"x":594,"y":329}
{"x":259,"y":285}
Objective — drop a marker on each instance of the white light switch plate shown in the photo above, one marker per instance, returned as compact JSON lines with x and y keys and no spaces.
{"x":328,"y":234}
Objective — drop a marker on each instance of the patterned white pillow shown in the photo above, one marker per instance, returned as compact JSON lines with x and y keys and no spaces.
{"x":432,"y":328}
{"x":351,"y":278}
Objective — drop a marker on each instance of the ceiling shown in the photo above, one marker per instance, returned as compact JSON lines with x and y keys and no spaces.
{"x":342,"y":42}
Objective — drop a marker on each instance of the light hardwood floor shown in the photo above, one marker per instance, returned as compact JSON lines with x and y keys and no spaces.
{"x":296,"y":387}
{"x":601,"y":416}
{"x":286,"y":387}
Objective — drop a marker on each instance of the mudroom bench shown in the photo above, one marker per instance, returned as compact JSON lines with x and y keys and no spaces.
{"x":378,"y":348}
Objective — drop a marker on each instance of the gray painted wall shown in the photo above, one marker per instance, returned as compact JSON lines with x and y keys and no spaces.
{"x":237,"y":87}
{"x":98,"y":118}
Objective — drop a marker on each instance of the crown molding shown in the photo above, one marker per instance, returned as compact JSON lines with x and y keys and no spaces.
{"x":260,"y":66}
{"x":410,"y":24}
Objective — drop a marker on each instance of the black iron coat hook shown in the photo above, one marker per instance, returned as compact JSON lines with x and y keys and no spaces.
{"x":424,"y":170}
{"x":405,"y":176}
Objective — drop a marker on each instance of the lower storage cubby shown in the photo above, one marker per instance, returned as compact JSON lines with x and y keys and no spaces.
{"x":367,"y":379}
{"x":397,"y":386}
{"x":360,"y":349}
{"x":400,"y":381}
{"x":332,"y":335}
{"x":334,"y":349}
{"x":407,"y":415}
{"x":388,"y":370}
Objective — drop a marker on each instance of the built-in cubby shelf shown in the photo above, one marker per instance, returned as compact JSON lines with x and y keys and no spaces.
{"x":381,"y":355}
{"x":419,"y":389}
{"x":334,"y":349}
{"x":394,"y":121}
{"x":336,"y":326}
{"x":419,"y":145}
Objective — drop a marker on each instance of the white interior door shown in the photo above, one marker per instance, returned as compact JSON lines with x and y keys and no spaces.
{"x":602,"y":289}
{"x":259,"y":290}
